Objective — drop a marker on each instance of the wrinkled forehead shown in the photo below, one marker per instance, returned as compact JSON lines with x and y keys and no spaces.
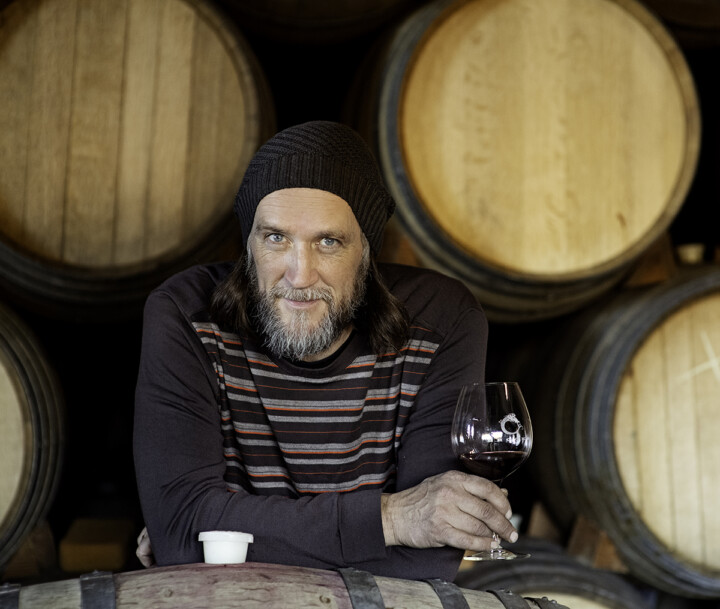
{"x":306,"y":211}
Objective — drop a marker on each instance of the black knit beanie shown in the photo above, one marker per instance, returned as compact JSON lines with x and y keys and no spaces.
{"x":324,"y":155}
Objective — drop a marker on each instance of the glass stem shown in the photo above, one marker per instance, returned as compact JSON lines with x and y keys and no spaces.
{"x":496,"y":539}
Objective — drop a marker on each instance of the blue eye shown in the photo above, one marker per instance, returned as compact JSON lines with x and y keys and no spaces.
{"x":329,"y":242}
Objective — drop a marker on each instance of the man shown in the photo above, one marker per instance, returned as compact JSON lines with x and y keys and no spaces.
{"x":305,"y":394}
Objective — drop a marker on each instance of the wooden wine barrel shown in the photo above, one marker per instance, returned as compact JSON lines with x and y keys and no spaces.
{"x":625,"y":407}
{"x":552,"y":573}
{"x":126,"y":129}
{"x":694,"y":23}
{"x":244,"y":586}
{"x":690,"y":13}
{"x":31,"y":433}
{"x":314,"y":21}
{"x":535,"y":149}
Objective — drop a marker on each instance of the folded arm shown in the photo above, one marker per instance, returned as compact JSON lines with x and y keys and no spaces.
{"x":180,"y":467}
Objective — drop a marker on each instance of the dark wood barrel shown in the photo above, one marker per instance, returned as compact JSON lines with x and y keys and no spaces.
{"x":690,"y":13}
{"x":550,"y":572}
{"x":310,"y":22}
{"x":535,"y":150}
{"x":625,"y":406}
{"x":246,"y":586}
{"x":126,"y":129}
{"x":695,"y":23}
{"x":31,"y":433}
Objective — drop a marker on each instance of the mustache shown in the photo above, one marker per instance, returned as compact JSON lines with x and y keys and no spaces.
{"x":302,"y":294}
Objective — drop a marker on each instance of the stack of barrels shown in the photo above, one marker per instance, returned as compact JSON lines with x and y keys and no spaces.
{"x":538,"y":151}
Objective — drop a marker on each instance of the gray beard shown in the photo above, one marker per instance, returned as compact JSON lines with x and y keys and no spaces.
{"x":297,"y":340}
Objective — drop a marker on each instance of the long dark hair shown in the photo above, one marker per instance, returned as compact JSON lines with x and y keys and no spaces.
{"x":382,"y":317}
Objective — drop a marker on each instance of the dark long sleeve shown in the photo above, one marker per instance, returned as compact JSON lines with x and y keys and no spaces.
{"x":425,"y":448}
{"x":180,"y":465}
{"x":180,"y":462}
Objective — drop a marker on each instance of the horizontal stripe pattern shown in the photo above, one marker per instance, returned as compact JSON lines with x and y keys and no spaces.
{"x":297,"y":434}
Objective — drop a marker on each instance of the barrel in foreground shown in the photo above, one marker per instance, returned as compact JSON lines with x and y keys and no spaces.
{"x":254,"y":585}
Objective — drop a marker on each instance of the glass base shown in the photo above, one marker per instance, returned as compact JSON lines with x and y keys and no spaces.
{"x":498,"y":554}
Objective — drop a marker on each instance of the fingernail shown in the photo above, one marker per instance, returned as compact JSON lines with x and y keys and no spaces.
{"x":513,"y":537}
{"x":508,"y":514}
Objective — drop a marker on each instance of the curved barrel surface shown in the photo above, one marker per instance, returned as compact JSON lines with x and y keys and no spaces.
{"x":248,"y":586}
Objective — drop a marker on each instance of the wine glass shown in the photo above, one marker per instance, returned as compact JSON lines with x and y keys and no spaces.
{"x":492,"y":436}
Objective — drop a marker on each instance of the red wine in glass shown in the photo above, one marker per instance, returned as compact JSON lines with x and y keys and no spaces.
{"x":492,"y":437}
{"x":494,"y":465}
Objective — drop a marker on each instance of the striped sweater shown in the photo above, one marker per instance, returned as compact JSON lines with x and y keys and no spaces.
{"x":228,"y":436}
{"x":292,"y":434}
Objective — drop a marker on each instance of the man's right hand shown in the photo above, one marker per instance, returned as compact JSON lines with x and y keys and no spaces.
{"x":144,"y":550}
{"x":451,"y":509}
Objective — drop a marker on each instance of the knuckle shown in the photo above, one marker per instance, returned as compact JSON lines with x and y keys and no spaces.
{"x":442,"y":534}
{"x":454,"y":474}
{"x":451,"y":478}
{"x":485,"y":510}
{"x":444,"y":494}
{"x":486,"y":485}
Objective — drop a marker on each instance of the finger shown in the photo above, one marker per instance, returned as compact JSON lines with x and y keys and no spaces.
{"x":475,"y":517}
{"x":488,"y":491}
{"x":464,"y":541}
{"x":467,"y":533}
{"x":486,"y":519}
{"x":469,"y":524}
{"x":480,"y":499}
{"x":146,"y":560}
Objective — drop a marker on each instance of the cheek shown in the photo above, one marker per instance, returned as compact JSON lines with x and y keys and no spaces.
{"x":268,"y":272}
{"x":342,"y":279}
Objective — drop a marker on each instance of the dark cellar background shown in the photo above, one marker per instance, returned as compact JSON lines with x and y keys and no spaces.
{"x":310,"y":77}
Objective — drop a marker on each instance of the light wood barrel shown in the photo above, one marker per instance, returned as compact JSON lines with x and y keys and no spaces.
{"x":535,"y":149}
{"x":246,"y":586}
{"x":31,"y":433}
{"x":126,"y":129}
{"x":552,"y":573}
{"x":625,"y":397}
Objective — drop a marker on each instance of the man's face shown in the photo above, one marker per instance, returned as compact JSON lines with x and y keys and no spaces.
{"x":308,"y":265}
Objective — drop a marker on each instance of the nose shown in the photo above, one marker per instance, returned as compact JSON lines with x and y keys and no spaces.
{"x":301,"y":269}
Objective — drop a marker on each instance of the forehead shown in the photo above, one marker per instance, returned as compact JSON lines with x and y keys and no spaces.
{"x":306,"y":209}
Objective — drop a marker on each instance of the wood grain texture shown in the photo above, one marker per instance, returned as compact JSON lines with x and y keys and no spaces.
{"x":666,"y":427}
{"x":31,"y":433}
{"x":16,"y":441}
{"x":246,"y":586}
{"x":126,"y":127}
{"x":571,"y":600}
{"x":552,"y":138}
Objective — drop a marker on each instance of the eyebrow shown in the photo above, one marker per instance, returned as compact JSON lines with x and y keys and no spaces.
{"x":341,"y":235}
{"x":262,"y":228}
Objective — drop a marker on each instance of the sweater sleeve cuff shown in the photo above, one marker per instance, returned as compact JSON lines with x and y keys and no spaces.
{"x":361,"y":532}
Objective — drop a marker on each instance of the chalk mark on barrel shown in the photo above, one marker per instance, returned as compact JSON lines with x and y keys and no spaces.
{"x":712,"y":363}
